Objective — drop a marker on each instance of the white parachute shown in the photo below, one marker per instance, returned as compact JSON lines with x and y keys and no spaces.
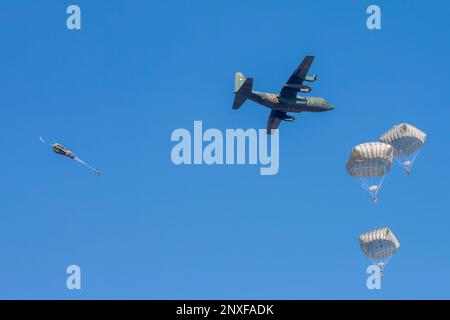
{"x":379,"y":245}
{"x":369,"y":163}
{"x":407,"y":142}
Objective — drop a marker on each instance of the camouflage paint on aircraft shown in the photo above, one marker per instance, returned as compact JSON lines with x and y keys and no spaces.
{"x":287,"y":100}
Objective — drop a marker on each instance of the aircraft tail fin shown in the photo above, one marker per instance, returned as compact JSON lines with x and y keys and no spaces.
{"x":239,"y":79}
{"x":242,"y":87}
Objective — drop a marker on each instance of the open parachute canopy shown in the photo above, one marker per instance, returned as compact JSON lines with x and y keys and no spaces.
{"x":369,"y":163}
{"x":379,"y":245}
{"x":407,"y":142}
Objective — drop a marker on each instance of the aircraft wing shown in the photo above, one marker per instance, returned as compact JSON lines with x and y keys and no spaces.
{"x":274,"y":120}
{"x":297,"y":78}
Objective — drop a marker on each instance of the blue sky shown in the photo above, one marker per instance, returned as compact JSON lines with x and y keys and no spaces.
{"x":147,"y":229}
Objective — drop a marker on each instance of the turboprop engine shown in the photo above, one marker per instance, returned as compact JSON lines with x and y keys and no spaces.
{"x":299,"y":87}
{"x":311,"y":78}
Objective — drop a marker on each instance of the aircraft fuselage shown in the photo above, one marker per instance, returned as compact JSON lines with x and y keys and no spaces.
{"x":298,"y":104}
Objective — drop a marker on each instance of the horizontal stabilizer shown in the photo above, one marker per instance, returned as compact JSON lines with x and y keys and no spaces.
{"x":238,"y":101}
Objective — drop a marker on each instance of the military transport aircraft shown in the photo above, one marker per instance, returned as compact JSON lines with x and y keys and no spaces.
{"x":287,"y":100}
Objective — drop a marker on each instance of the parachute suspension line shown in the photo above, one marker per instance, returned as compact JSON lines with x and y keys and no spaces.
{"x":371,"y":187}
{"x":366,"y":187}
{"x":381,"y":265}
{"x":375,"y":196}
{"x":407,"y":163}
{"x":383,"y":261}
{"x":87,"y":165}
{"x":84,"y":163}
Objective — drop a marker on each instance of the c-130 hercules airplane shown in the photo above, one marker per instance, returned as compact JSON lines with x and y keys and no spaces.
{"x":287,"y":100}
